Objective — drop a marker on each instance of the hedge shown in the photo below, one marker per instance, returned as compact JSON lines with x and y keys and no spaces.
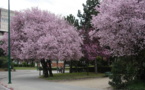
{"x":102,"y":69}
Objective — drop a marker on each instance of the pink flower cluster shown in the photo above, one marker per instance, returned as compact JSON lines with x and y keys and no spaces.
{"x":37,"y":34}
{"x":121,"y":25}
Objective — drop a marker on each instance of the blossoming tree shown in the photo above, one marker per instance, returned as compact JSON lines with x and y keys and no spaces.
{"x":121,"y":25}
{"x":91,"y":47}
{"x":41,"y":35}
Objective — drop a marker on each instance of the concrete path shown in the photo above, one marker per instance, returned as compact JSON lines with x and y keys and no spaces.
{"x":99,"y":83}
{"x":2,"y":88}
{"x":29,"y":80}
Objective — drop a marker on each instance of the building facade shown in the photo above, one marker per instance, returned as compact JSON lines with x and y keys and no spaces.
{"x":4,"y":20}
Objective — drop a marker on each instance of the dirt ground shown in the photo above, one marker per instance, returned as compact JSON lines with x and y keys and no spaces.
{"x":98,"y":83}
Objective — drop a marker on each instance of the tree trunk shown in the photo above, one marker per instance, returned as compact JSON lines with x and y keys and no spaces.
{"x":27,"y":64}
{"x":96,"y":69}
{"x":64,"y":66}
{"x":77,"y":69}
{"x":70,"y":69}
{"x":87,"y":67}
{"x":57,"y":66}
{"x":50,"y":68}
{"x":44,"y":65}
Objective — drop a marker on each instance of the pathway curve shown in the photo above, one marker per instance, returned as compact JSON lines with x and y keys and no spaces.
{"x":99,"y":83}
{"x":29,"y":80}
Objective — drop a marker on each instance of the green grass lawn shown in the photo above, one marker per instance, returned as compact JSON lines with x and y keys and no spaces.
{"x":25,"y":68}
{"x":74,"y":76}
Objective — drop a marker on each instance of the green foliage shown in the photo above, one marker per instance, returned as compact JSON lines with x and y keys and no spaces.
{"x":85,"y":17}
{"x":103,"y":69}
{"x":80,"y":63}
{"x":83,"y":66}
{"x":88,"y":11}
{"x":3,"y":59}
{"x":1,"y":50}
{"x":72,"y":20}
{"x":124,"y":71}
{"x":136,"y":85}
{"x":101,"y":62}
{"x":3,"y":62}
{"x":25,"y":64}
{"x":117,"y":71}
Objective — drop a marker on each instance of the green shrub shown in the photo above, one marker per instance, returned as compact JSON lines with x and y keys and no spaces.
{"x":4,"y":62}
{"x":24,"y":64}
{"x":124,"y":71}
{"x":117,"y":71}
{"x":103,"y":69}
{"x":136,"y":85}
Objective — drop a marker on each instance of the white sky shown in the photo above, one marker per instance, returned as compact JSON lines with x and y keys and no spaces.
{"x":61,"y":7}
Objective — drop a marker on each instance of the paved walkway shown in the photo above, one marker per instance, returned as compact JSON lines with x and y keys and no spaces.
{"x":29,"y":80}
{"x":99,"y":83}
{"x":2,"y":87}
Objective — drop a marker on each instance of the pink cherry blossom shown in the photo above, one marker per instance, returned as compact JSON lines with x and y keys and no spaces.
{"x":37,"y":34}
{"x":121,"y":25}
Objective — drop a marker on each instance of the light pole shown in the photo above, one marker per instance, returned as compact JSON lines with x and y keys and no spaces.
{"x":9,"y":46}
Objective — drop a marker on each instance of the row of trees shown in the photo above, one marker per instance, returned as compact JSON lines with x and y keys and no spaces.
{"x":111,"y":28}
{"x":119,"y":27}
{"x":90,"y":48}
{"x":42,"y":36}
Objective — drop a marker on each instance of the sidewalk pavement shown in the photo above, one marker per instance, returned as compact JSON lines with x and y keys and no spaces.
{"x":4,"y":87}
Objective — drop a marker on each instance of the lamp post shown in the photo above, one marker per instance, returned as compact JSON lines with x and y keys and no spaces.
{"x":9,"y":46}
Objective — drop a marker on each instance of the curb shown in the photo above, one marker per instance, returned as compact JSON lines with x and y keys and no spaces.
{"x":5,"y":86}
